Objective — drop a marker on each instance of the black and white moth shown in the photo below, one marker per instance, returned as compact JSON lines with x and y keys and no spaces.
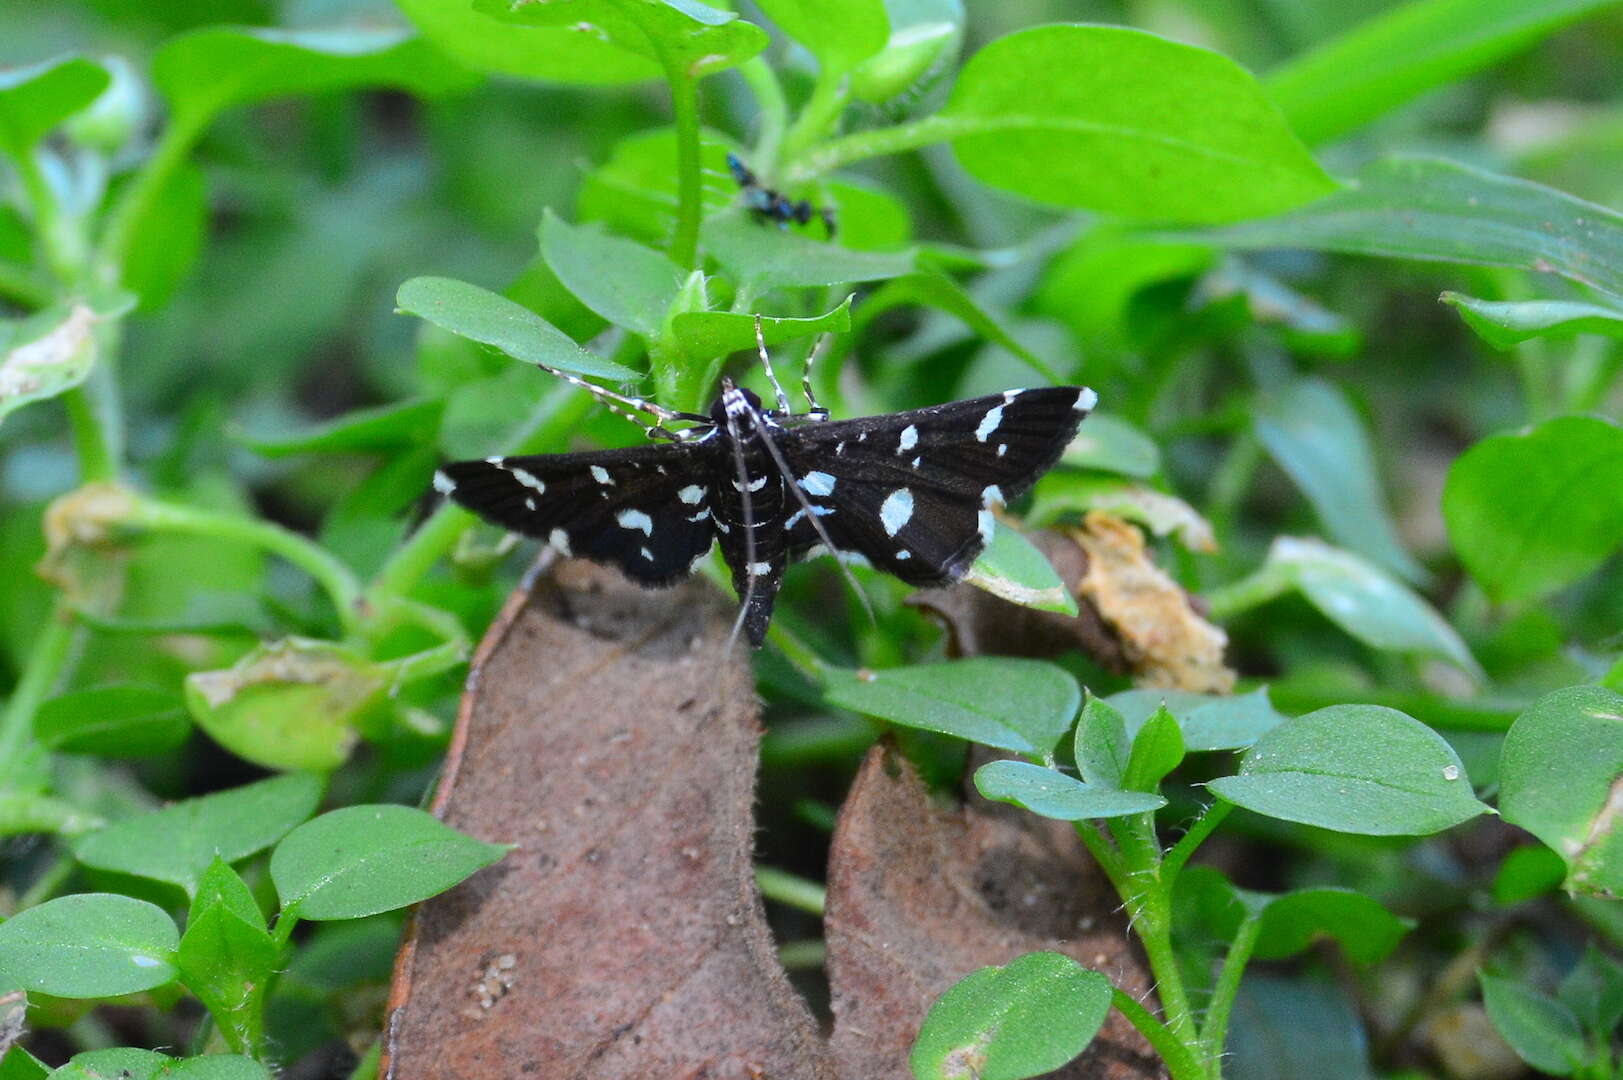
{"x":910,"y":493}
{"x":768,"y":204}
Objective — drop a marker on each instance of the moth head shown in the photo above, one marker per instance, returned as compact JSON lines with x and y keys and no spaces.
{"x":735,"y":401}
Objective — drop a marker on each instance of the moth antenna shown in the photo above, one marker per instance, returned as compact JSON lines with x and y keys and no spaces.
{"x":609,"y":399}
{"x":805,"y":376}
{"x":793,"y":485}
{"x":772,"y":376}
{"x":749,"y":523}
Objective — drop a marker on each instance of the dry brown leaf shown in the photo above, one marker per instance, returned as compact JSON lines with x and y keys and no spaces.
{"x":609,"y":733}
{"x":1166,"y":641}
{"x":919,"y":896}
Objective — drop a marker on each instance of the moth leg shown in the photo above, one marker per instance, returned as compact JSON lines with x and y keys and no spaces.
{"x":772,"y":376}
{"x":816,"y":411}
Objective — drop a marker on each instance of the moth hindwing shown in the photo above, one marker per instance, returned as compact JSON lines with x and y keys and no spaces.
{"x":910,"y":493}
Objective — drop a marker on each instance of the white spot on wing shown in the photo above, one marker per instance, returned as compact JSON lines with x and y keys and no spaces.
{"x":903,"y":553}
{"x":989,"y":423}
{"x":649,"y":555}
{"x":896,"y":511}
{"x":496,"y":461}
{"x":601,"y":475}
{"x":701,"y":515}
{"x":635,"y":519}
{"x":909,"y":439}
{"x":793,"y":519}
{"x":839,"y":448}
{"x":691,"y":494}
{"x":984,"y":524}
{"x":530,"y":480}
{"x":755,"y":485}
{"x":1086,"y":399}
{"x":817,"y":483}
{"x":529,"y":503}
{"x":442,"y":483}
{"x":1002,"y":448}
{"x":1010,"y":395}
{"x":758,"y":569}
{"x":990,"y":494}
{"x":560,"y":540}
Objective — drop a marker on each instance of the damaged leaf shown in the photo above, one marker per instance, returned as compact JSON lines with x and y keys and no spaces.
{"x":291,"y":704}
{"x":50,"y":364}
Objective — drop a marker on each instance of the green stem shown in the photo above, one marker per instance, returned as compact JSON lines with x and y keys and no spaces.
{"x":135,"y":203}
{"x":818,"y":117}
{"x":1181,"y":1061}
{"x":97,"y":463}
{"x":336,"y":579}
{"x":286,"y":920}
{"x":774,"y":113}
{"x":1108,"y":858}
{"x":803,"y":955}
{"x":47,"y":659}
{"x":428,"y":663}
{"x":684,"y":249}
{"x":1215,"y":1030}
{"x":1175,"y":859}
{"x":1149,"y":906}
{"x":877,"y":142}
{"x":1251,"y":591}
{"x":1231,"y":480}
{"x":556,"y":415}
{"x":790,"y":890}
{"x":60,"y":235}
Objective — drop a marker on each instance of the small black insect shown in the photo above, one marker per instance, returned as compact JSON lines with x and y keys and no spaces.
{"x":769,"y":205}
{"x":910,"y":493}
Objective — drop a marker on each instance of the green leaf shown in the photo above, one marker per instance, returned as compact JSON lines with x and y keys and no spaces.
{"x":925,"y":36}
{"x":1404,"y":51}
{"x":381,"y":427}
{"x":120,"y":1062}
{"x":702,"y":335}
{"x":1208,"y":721}
{"x":1364,"y":929}
{"x":178,"y":843}
{"x":549,"y":53}
{"x":1286,"y":1029}
{"x":361,"y":860}
{"x":1112,"y":444}
{"x":53,"y":361}
{"x":1052,"y":794}
{"x":18,"y":1064}
{"x":228,"y":962}
{"x":89,"y":945}
{"x":1504,"y":323}
{"x":1364,"y":601}
{"x":484,"y":316}
{"x":222,"y":887}
{"x":1013,"y":568}
{"x":1593,"y":990}
{"x":634,"y":191}
{"x":1559,"y":779}
{"x":207,"y":71}
{"x":628,"y":284}
{"x":122,"y":720}
{"x":1158,"y":748}
{"x":292,"y":704}
{"x":1063,"y":494}
{"x":1011,"y":704}
{"x":214,"y":1067}
{"x":688,"y":38}
{"x":840,"y":33}
{"x":1526,"y":873}
{"x":1437,"y":210}
{"x":36,"y":98}
{"x":1541,"y":1030}
{"x":1102,"y":745}
{"x":168,"y":238}
{"x":1028,"y":1017}
{"x":1355,"y":768}
{"x":1534,"y":510}
{"x":769,"y":258}
{"x":1126,"y":123}
{"x":934,"y":289}
{"x":1314,"y":435}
